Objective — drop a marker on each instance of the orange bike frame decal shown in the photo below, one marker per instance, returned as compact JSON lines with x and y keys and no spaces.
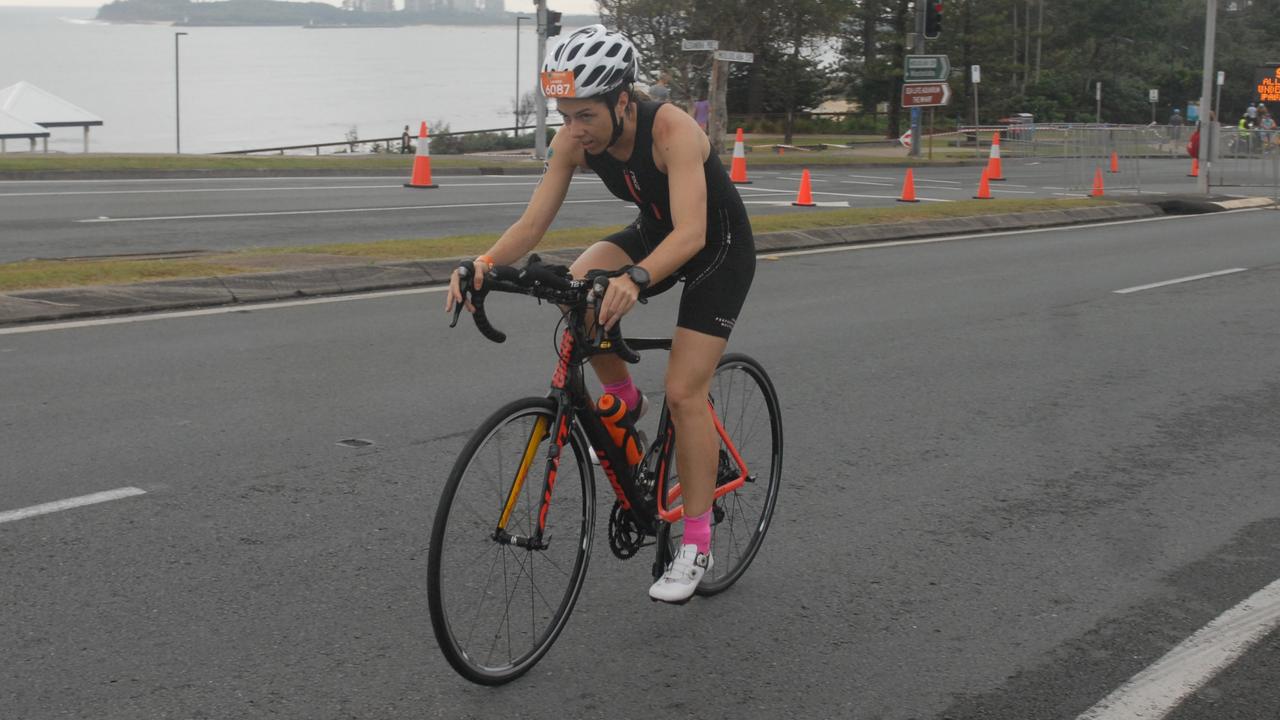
{"x":566,"y":356}
{"x":531,"y":449}
{"x":562,"y":434}
{"x":666,"y":497}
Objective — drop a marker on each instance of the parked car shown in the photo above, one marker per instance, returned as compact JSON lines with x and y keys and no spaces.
{"x":1021,"y":127}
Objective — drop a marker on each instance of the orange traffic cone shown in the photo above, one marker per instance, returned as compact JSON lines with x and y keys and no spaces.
{"x":1195,"y":167}
{"x":909,"y":188}
{"x":805,"y":198}
{"x":1097,"y":183}
{"x":422,"y":163}
{"x":984,"y":189}
{"x":1115,"y":163}
{"x":738,"y":170}
{"x":994,"y":170}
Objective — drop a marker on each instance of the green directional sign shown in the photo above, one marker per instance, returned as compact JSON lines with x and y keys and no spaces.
{"x":926,"y":68}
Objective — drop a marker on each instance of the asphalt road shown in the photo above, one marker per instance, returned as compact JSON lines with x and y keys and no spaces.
{"x":58,"y":219}
{"x":1008,"y":488}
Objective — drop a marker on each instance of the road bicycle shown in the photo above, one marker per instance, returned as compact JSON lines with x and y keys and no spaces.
{"x":512,"y":537}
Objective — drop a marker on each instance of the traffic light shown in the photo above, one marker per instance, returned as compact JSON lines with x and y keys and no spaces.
{"x":553,"y":23}
{"x":932,"y":19}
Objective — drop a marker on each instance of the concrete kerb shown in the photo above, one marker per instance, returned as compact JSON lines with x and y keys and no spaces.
{"x":82,"y":302}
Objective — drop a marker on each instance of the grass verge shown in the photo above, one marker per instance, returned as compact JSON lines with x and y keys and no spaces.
{"x":43,"y":274}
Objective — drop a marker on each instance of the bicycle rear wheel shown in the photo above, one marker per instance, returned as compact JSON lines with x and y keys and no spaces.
{"x":747,"y":405}
{"x":497,"y":607}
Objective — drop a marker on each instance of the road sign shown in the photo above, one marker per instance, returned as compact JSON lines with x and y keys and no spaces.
{"x":1153,"y":96}
{"x":975,"y":72}
{"x":925,"y":94}
{"x":731,"y":56}
{"x":926,"y":68}
{"x":704,"y":45}
{"x":1266,"y":83}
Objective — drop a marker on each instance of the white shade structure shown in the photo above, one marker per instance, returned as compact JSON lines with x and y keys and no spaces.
{"x":25,"y":102}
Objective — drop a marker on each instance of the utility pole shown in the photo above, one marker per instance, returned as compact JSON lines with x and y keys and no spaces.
{"x":919,"y":50}
{"x":1208,"y":123}
{"x":540,"y":133}
{"x":177,"y":96}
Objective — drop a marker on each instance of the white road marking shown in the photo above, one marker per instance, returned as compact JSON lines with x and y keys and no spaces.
{"x":929,"y":180}
{"x":1175,"y":281}
{"x":852,"y":195}
{"x":950,"y":238}
{"x":75,"y":502}
{"x":444,"y":184}
{"x":785,"y":203}
{"x":1155,"y":692}
{"x":277,"y":213}
{"x":278,"y":178}
{"x":220,"y":310}
{"x":865,"y":182}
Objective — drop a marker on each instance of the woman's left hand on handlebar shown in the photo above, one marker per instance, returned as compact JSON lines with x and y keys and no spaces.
{"x":618,"y":301}
{"x":454,"y":295}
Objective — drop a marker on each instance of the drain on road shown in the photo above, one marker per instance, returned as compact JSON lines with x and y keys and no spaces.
{"x":355,"y":443}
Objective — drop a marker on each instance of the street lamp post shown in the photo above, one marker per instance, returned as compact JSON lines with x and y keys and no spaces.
{"x":516,"y":132}
{"x":177,"y":104}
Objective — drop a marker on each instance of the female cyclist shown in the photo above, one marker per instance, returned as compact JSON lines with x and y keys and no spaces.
{"x":692,"y":227}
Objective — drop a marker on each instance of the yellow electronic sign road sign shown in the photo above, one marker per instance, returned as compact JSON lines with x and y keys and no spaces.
{"x":1267,"y":83}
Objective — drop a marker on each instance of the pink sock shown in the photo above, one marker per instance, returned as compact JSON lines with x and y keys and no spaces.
{"x":626,"y":391}
{"x":697,"y":531}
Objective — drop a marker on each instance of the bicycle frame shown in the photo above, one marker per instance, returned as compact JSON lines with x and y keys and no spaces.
{"x":573,"y":405}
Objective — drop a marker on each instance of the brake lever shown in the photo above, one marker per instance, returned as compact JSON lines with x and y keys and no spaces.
{"x":464,"y":287}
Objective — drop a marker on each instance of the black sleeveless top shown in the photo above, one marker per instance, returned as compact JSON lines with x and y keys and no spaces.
{"x":638,"y":180}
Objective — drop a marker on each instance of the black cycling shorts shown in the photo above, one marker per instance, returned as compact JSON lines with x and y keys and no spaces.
{"x":716,"y":280}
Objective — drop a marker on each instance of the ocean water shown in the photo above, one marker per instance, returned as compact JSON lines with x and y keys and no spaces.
{"x":261,"y":86}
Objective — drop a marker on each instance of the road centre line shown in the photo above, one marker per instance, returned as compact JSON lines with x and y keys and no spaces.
{"x":220,"y":310}
{"x":276,"y":178}
{"x":277,"y":213}
{"x":1175,"y":281}
{"x":58,"y":193}
{"x":352,"y":297}
{"x":866,"y":182}
{"x":851,"y":195}
{"x":75,"y":502}
{"x":1159,"y":689}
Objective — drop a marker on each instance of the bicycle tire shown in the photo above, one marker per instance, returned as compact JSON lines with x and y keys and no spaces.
{"x":464,"y":526}
{"x":732,"y":554}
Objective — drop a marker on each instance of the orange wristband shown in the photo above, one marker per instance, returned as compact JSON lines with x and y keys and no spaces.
{"x":485,"y":259}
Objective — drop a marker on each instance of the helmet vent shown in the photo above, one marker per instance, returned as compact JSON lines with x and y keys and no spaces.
{"x":573,"y":53}
{"x":591,"y":79}
{"x":595,"y":48}
{"x":614,"y":50}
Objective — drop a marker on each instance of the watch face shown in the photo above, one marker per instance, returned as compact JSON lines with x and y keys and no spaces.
{"x":638,"y":275}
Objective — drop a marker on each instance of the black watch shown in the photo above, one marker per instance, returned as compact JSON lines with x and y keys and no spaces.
{"x":638,"y":275}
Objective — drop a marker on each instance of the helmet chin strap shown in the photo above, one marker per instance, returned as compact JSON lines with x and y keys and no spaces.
{"x":617,"y":126}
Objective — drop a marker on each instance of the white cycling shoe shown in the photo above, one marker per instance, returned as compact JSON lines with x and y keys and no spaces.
{"x":681,"y":579}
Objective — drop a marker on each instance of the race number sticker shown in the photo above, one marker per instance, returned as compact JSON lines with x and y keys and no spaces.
{"x":558,"y":84}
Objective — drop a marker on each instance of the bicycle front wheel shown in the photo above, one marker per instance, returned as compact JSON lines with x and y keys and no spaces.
{"x":499,"y":600}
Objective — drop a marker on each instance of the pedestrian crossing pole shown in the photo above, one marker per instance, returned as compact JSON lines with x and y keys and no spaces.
{"x":1208,"y":123}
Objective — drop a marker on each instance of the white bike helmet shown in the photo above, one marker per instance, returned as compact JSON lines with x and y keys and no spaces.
{"x":601,"y":61}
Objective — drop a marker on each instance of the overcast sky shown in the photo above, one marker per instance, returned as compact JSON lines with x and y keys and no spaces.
{"x":574,"y":7}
